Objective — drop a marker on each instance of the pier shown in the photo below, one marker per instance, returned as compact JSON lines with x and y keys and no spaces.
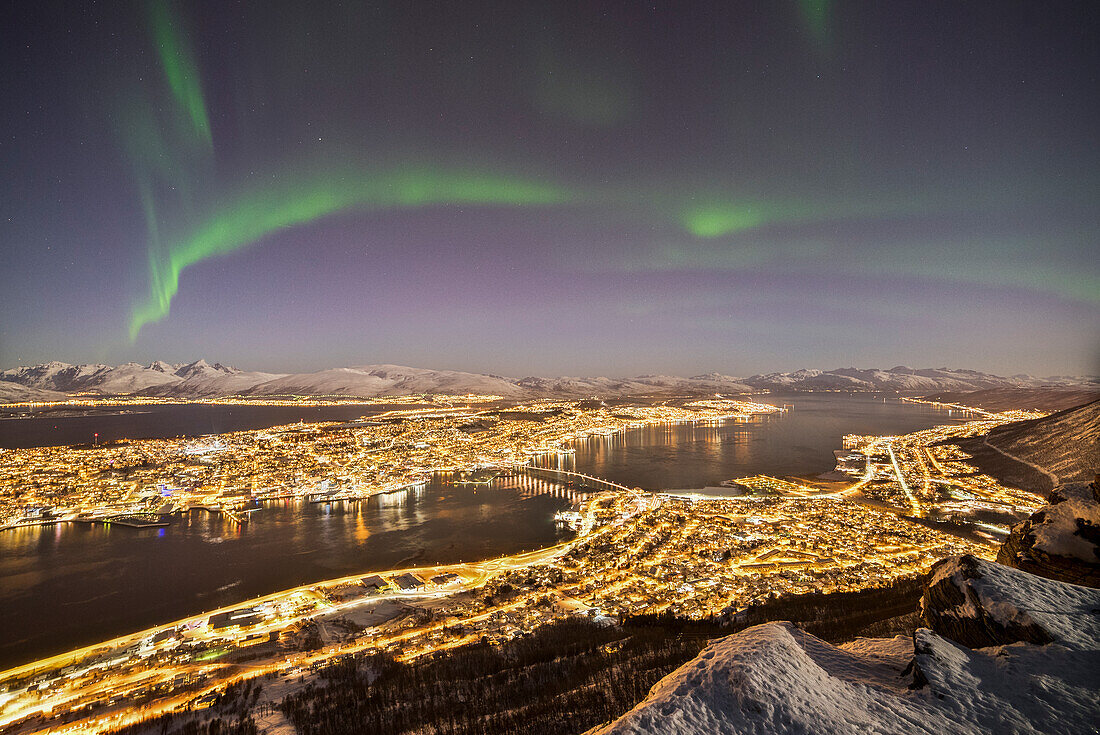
{"x":131,"y":520}
{"x":236,"y":515}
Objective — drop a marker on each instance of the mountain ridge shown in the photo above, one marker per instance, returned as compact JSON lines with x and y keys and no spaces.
{"x":200,"y":379}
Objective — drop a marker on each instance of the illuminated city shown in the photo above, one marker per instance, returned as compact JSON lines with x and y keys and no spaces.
{"x":634,"y":552}
{"x":389,"y":451}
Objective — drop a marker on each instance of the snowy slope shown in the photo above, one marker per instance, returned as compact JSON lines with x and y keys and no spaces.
{"x":159,"y":378}
{"x":202,"y":379}
{"x":15,"y":393}
{"x":128,"y":378}
{"x":234,"y":383}
{"x":641,"y":385}
{"x":898,"y":378}
{"x":1002,"y":399}
{"x":777,"y":679}
{"x":201,"y":369}
{"x":386,"y":380}
{"x":1066,"y":443}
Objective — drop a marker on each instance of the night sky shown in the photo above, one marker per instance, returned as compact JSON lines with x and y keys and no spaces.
{"x":554,"y":187}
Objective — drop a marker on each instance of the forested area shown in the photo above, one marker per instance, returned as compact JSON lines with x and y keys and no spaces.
{"x":564,"y":678}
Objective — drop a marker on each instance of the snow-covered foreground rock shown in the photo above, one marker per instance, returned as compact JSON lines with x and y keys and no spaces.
{"x":980,"y":603}
{"x":775,"y":678}
{"x":1061,"y":540}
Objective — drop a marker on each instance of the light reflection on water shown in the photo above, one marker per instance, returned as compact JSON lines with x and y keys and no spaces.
{"x":72,"y":584}
{"x":800,"y":441}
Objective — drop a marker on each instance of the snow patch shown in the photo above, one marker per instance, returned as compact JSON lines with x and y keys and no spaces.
{"x":776,"y":679}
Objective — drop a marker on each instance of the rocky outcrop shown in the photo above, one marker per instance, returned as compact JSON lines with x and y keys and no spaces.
{"x":1062,"y":539}
{"x":982,"y":603}
{"x":775,"y":679}
{"x":955,"y":607}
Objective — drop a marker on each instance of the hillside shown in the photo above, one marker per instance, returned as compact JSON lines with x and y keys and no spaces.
{"x":385,"y":380}
{"x":1041,"y":453}
{"x":59,"y":376}
{"x":1054,"y":398}
{"x":159,"y":378}
{"x":561,"y":679}
{"x":641,"y":385}
{"x":201,"y":380}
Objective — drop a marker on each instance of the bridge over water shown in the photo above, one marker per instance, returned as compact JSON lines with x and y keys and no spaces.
{"x":531,"y":486}
{"x":576,"y":478}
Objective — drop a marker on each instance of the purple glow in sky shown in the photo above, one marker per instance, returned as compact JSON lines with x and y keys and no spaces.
{"x":552,"y":188}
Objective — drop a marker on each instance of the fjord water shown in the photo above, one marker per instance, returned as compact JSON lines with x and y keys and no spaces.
{"x":799,"y":441}
{"x":69,"y":585}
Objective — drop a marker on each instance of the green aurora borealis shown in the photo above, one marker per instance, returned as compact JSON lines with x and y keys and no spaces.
{"x":763,"y":159}
{"x":253,"y":216}
{"x":179,"y":67}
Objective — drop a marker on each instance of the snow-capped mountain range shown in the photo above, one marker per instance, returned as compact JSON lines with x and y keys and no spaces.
{"x":200,"y":379}
{"x":904,"y":379}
